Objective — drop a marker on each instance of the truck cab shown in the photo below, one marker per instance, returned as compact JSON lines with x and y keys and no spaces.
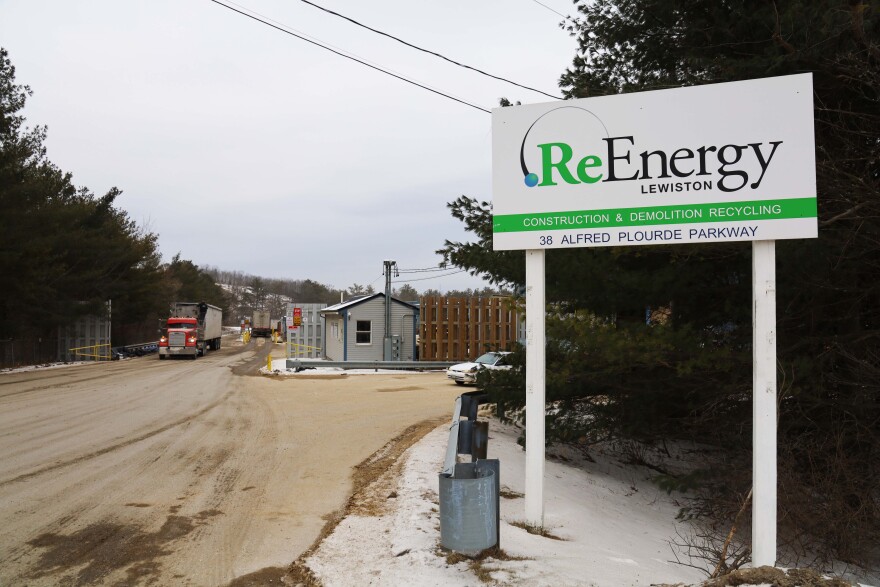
{"x":191,"y":330}
{"x":181,"y":337}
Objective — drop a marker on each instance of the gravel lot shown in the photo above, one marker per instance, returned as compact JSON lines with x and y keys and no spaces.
{"x":186,"y":472}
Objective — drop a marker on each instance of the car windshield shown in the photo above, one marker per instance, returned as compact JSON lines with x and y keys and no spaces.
{"x":181,"y":324}
{"x":488,"y":359}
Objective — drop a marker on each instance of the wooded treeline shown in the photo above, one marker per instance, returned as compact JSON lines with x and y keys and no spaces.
{"x":65,"y":251}
{"x":685,"y":373}
{"x":246,"y":292}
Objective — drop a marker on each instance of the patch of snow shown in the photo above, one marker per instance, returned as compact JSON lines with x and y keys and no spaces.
{"x":611,"y":536}
{"x":334,"y":372}
{"x":615,"y":526}
{"x":45,"y":366}
{"x":314,"y":369}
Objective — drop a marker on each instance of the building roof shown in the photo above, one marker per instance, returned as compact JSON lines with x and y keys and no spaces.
{"x":360,"y":300}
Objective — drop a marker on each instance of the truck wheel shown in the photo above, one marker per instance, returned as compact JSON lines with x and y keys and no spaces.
{"x":161,"y":357}
{"x":195,"y":356}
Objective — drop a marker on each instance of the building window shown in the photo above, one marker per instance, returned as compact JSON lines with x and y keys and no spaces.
{"x":334,"y":330}
{"x":362,"y":334}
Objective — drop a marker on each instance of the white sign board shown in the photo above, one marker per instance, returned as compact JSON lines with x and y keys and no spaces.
{"x":720,"y":162}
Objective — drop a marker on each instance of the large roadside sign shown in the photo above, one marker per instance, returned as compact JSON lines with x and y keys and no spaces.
{"x":720,"y":162}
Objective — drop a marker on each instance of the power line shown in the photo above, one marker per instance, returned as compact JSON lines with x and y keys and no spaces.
{"x":551,"y":9}
{"x":290,"y":28}
{"x":422,"y":270}
{"x":426,"y":278}
{"x":386,"y":72}
{"x":416,"y":271}
{"x":425,"y":270}
{"x":434,"y":53}
{"x":313,"y":38}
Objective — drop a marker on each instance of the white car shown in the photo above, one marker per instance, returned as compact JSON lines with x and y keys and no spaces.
{"x":467,"y":372}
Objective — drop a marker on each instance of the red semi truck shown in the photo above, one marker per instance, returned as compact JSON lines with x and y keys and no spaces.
{"x":191,"y":329}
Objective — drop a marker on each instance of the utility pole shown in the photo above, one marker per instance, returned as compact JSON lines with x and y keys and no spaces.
{"x":389,"y":267}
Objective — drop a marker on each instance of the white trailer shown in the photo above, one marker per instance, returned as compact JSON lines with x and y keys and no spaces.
{"x":261,"y":324}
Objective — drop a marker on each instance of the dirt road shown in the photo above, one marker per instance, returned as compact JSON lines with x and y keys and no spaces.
{"x":184,"y":472}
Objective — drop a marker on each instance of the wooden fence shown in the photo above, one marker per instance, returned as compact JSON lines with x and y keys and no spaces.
{"x":461,"y":329}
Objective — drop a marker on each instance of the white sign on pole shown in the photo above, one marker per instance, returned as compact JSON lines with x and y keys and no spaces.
{"x":720,"y":162}
{"x":764,"y":403}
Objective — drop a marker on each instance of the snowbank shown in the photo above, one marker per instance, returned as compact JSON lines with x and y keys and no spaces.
{"x":609,"y":530}
{"x":608,"y":526}
{"x":314,"y":369}
{"x":45,"y":366}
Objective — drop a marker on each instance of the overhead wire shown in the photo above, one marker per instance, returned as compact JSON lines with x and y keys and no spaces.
{"x":446,"y":270}
{"x":426,"y":278}
{"x":341,"y":54}
{"x":316,"y":39}
{"x":551,"y":9}
{"x":290,"y":28}
{"x":425,"y":270}
{"x":434,"y":53}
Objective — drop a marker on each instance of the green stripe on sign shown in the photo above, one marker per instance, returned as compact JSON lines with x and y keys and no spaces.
{"x":654,"y":215}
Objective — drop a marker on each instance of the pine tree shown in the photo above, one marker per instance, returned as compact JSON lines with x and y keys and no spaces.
{"x":64,"y":251}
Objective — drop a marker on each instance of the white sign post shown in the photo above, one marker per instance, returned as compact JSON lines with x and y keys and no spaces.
{"x":536,"y":397}
{"x":764,"y":403}
{"x":712,"y":163}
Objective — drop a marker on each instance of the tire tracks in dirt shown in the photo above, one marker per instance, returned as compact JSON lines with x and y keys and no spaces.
{"x":197,"y":476}
{"x":369,"y":480}
{"x":175,"y":473}
{"x":117,"y":446}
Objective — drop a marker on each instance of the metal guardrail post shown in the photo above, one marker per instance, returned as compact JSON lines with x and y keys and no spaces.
{"x":470,"y":403}
{"x":470,"y":493}
{"x":452,"y":444}
{"x":468,"y":509}
{"x":495,"y":466}
{"x":480,"y":440}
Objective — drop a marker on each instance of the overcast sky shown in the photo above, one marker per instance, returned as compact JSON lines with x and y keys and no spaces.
{"x":247,"y":149}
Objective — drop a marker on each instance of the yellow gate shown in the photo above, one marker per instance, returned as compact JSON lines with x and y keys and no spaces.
{"x":95,"y":352}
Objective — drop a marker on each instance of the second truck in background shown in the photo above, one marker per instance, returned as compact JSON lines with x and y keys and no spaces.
{"x":261,"y":324}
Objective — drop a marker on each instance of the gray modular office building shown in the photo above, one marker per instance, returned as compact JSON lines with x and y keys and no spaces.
{"x":355,"y":330}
